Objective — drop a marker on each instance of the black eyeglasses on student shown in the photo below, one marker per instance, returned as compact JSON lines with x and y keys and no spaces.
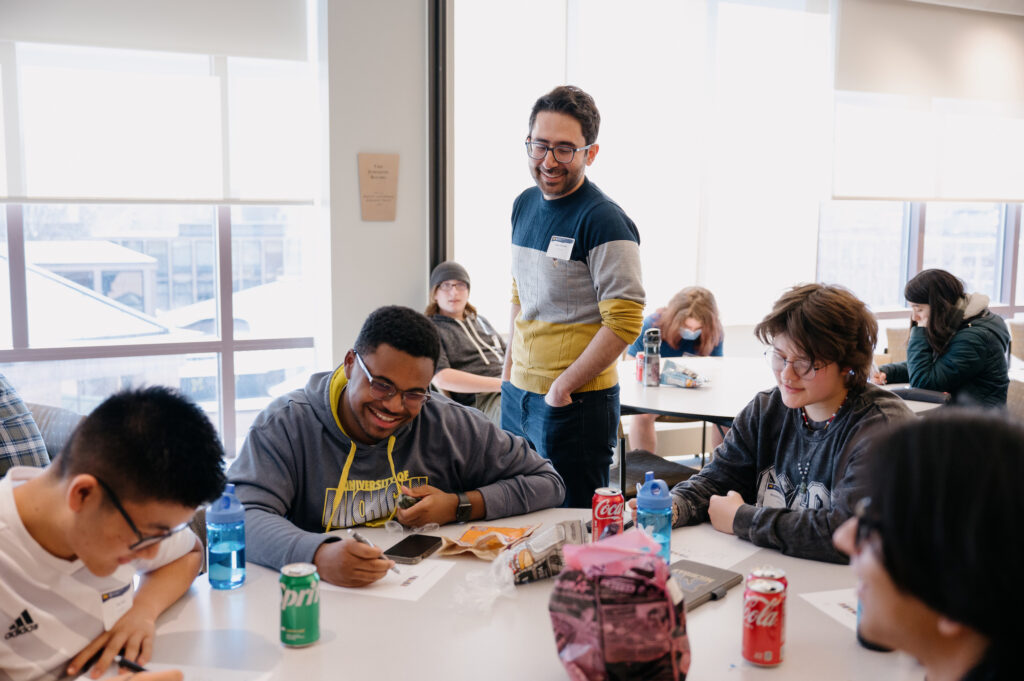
{"x":144,"y":541}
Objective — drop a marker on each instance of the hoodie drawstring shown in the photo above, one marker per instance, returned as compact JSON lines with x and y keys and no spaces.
{"x":343,"y":481}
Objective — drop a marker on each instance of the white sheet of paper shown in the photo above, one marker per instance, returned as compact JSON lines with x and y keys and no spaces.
{"x":191,"y":673}
{"x":713,"y":548}
{"x":840,"y":605}
{"x":414,"y":581}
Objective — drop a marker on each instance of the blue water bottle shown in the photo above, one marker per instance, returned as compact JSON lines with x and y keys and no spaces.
{"x":225,"y":537}
{"x":654,"y":512}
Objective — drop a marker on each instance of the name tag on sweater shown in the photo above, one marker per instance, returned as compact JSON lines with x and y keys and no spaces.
{"x":560,"y":247}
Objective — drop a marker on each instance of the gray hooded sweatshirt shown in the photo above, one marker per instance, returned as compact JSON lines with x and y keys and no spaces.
{"x":798,"y":484}
{"x":290,"y":466}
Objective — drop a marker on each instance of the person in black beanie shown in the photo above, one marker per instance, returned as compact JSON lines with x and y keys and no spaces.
{"x":472,"y":352}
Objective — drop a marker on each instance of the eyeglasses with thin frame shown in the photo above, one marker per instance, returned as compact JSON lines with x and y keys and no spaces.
{"x":803,"y":368}
{"x":562,"y":153}
{"x":143,"y":541}
{"x":866,"y":522}
{"x":384,"y":390}
{"x":449,"y":285}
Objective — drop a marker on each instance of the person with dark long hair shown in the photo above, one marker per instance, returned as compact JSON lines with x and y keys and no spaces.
{"x":957,"y":345}
{"x":937,"y":543}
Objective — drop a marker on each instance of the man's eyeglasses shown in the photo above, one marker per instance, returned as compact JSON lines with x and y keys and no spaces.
{"x":866,"y":521}
{"x":803,"y":368}
{"x":561,"y":152}
{"x":449,"y":285}
{"x":384,"y":390}
{"x":143,"y":541}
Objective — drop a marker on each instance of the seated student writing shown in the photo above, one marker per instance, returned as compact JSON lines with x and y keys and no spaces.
{"x":689,"y":325}
{"x":339,"y":452}
{"x":114,"y":503}
{"x":937,"y":544}
{"x":957,"y":345}
{"x":472,"y":353}
{"x":792,"y":464}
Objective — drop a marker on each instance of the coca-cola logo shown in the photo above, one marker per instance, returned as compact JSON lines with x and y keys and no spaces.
{"x":608,"y":511}
{"x":761,"y":611}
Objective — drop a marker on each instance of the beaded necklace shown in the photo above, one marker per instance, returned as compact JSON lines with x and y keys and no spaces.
{"x":805,"y":468}
{"x":807,"y":421}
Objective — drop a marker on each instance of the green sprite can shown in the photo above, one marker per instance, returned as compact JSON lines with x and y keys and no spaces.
{"x":300,"y":605}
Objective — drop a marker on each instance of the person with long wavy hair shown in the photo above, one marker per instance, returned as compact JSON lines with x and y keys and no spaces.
{"x":957,"y":345}
{"x":690,"y":325}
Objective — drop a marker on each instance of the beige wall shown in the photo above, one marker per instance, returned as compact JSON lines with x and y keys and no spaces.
{"x":377,"y":71}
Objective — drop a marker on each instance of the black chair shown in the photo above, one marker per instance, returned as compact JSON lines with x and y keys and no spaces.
{"x":639,"y":461}
{"x":922,"y":395}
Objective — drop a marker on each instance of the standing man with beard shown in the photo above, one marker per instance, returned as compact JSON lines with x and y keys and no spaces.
{"x":577,"y":299}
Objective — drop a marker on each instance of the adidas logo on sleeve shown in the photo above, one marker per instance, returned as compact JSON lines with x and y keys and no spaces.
{"x":22,"y":625}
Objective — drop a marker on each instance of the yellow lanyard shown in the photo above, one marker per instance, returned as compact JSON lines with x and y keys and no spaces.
{"x":344,"y":481}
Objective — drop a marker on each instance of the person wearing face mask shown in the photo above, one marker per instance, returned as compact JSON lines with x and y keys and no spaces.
{"x":792,"y":465}
{"x":957,"y":345}
{"x":472,"y":353}
{"x":690,"y":326}
{"x":937,"y":543}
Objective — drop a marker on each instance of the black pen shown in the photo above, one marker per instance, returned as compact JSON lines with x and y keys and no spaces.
{"x":125,"y":663}
{"x":363,"y":540}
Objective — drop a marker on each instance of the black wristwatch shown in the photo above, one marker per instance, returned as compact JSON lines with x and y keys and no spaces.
{"x":464,"y":510}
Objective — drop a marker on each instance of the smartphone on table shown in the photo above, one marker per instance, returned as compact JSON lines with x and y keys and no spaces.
{"x":413,"y":549}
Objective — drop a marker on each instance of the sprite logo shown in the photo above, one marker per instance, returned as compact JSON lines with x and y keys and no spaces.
{"x":297,"y":598}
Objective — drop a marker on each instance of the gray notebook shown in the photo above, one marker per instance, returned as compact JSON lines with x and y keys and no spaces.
{"x":702,"y":583}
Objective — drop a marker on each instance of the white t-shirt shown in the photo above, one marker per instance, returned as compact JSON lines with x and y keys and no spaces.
{"x":51,"y":608}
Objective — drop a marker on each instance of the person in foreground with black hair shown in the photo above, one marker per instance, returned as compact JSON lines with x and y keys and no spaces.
{"x":116,"y":502}
{"x":937,"y":545}
{"x":339,"y":453}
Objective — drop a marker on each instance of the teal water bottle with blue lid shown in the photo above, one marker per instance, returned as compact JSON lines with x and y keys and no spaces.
{"x":654,"y":513}
{"x":225,"y":539}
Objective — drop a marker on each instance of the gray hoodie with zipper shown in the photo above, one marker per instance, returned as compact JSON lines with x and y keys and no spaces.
{"x":290,"y":467}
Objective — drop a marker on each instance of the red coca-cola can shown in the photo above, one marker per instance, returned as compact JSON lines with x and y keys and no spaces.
{"x":764,"y":610}
{"x":607,"y":513}
{"x":768,"y":572}
{"x":640,"y":367}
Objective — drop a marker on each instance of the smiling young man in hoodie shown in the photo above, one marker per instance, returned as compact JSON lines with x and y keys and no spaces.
{"x":339,"y":452}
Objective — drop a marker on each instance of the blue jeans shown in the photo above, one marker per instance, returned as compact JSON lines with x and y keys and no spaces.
{"x":578,"y":439}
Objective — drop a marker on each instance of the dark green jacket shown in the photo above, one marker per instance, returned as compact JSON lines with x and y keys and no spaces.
{"x":973,"y":366}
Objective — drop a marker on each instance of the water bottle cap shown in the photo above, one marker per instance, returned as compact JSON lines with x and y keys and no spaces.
{"x":227,"y":509}
{"x":654,"y":495}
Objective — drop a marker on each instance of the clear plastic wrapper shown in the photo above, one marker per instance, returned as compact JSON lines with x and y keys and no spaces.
{"x":681,"y":376}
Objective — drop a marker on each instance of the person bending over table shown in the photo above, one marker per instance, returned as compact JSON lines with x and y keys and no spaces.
{"x":957,"y":345}
{"x":472,"y":354}
{"x":792,"y":464}
{"x":690,"y":326}
{"x":339,"y":452}
{"x":937,"y":544}
{"x":73,"y":536}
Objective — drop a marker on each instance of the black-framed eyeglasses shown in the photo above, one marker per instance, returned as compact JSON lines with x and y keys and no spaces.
{"x":562,"y":153}
{"x":385,"y":390}
{"x":867,"y":522}
{"x":803,"y":368}
{"x":449,"y":285}
{"x":143,"y":541}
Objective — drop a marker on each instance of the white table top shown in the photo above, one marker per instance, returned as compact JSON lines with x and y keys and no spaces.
{"x":434,"y":638}
{"x":734,"y":382}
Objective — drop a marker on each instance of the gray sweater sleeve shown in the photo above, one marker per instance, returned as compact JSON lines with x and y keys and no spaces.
{"x":512,"y":477}
{"x":264,"y":478}
{"x":733,"y":467}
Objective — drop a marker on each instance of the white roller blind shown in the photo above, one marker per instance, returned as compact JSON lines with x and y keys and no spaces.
{"x":251,"y":28}
{"x":929,"y":103}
